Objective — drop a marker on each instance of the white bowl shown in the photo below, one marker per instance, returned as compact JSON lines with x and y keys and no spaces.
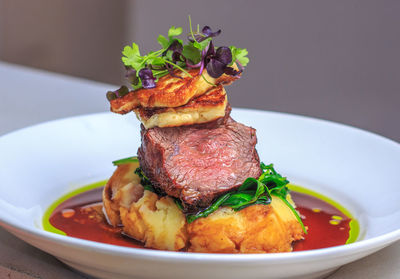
{"x":358,"y":169}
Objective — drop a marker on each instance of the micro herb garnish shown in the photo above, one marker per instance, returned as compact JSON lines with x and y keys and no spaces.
{"x":253,"y":191}
{"x":143,"y":71}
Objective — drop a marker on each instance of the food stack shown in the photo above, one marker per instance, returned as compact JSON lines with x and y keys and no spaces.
{"x":193,"y":160}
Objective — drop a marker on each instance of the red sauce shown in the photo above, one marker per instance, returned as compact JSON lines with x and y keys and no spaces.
{"x":326,"y":225}
{"x":81,"y":216}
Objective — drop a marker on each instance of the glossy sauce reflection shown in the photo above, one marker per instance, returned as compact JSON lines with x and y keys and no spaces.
{"x":81,"y":216}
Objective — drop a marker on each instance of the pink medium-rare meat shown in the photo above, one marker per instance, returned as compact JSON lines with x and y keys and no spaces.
{"x":198,"y":163}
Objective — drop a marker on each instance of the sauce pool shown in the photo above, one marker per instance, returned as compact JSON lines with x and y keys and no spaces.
{"x":81,"y":216}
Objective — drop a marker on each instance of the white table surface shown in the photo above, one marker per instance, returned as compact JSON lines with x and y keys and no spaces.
{"x":29,"y":96}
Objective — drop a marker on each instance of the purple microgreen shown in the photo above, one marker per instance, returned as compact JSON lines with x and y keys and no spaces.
{"x":215,"y":68}
{"x":224,"y":55}
{"x":131,"y":76}
{"x":147,"y":78}
{"x":209,"y":33}
{"x":206,"y":33}
{"x":111,"y":96}
{"x":119,"y":93}
{"x":122,"y":91}
{"x":216,"y":61}
{"x":232,"y":72}
{"x":174,"y":52}
{"x":176,"y":46}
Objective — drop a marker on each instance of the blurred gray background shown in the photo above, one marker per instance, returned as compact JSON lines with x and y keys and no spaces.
{"x":337,"y":60}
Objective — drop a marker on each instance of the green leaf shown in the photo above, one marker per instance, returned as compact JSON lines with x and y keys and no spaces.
{"x":128,"y":160}
{"x":248,"y":197}
{"x":132,"y":56}
{"x":296,"y":214}
{"x":203,"y":44}
{"x":237,"y":199}
{"x":168,"y":55}
{"x":164,"y":42}
{"x":178,"y":203}
{"x":253,"y":191}
{"x":173,"y":32}
{"x":158,"y":61}
{"x":192,"y":53}
{"x":239,"y":54}
{"x":144,"y":180}
{"x":248,"y":183}
{"x":160,"y":73}
{"x":212,"y":208}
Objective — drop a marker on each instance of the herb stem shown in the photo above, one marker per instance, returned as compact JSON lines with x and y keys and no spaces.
{"x":191,"y":29}
{"x":210,"y":83}
{"x":178,"y":67}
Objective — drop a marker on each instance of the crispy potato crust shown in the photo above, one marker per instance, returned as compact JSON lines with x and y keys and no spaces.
{"x":205,"y":108}
{"x":118,"y":188}
{"x":160,"y":224}
{"x":255,"y":229}
{"x":169,"y":91}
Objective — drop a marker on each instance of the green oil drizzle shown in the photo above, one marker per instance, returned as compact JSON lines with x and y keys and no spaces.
{"x":46,"y":217}
{"x":354,"y":225}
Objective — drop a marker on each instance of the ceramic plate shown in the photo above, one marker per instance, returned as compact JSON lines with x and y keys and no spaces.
{"x":358,"y":169}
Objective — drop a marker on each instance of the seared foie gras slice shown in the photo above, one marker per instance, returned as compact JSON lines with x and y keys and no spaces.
{"x":170,"y":91}
{"x":205,"y":108}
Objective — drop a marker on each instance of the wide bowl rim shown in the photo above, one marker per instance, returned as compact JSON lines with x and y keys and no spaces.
{"x":298,"y":256}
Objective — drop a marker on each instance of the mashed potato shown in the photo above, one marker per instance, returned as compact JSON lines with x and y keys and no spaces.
{"x":160,"y":224}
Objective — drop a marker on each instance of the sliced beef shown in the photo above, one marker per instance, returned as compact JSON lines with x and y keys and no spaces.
{"x":199,"y":163}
